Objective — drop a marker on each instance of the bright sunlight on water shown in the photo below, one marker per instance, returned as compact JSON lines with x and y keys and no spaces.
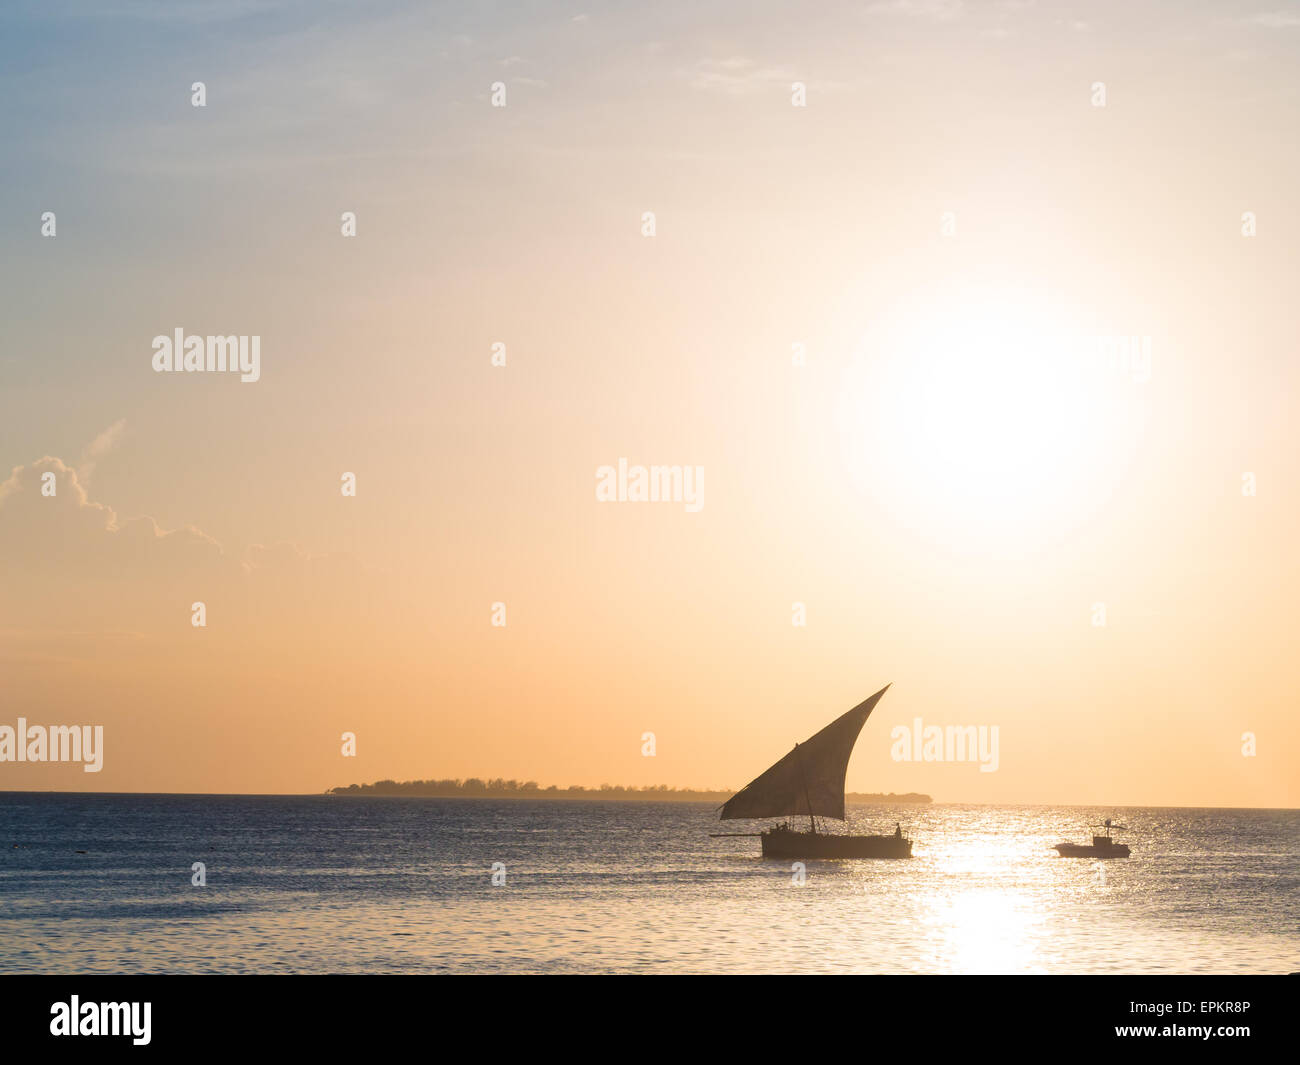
{"x":329,"y":884}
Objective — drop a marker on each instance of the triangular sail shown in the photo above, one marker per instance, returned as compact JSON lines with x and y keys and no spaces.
{"x":810,"y":779}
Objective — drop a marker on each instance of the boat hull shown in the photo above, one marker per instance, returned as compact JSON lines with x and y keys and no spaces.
{"x":1082,"y":850}
{"x":786,"y":844}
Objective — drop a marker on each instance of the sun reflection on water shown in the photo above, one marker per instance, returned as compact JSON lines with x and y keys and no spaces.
{"x":637,"y":887}
{"x":983,"y":931}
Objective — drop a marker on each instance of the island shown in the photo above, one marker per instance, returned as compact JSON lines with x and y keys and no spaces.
{"x":475,"y":788}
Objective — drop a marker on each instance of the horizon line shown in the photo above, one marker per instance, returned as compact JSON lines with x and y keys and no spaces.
{"x":543,"y":797}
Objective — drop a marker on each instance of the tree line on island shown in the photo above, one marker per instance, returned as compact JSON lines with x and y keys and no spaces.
{"x":498,"y":788}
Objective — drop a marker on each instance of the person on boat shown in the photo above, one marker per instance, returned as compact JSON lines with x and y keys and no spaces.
{"x":898,"y":830}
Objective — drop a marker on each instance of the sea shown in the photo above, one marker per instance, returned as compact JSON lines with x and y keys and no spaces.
{"x":323,"y":884}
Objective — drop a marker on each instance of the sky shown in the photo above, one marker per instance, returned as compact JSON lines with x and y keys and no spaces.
{"x":882,"y":324}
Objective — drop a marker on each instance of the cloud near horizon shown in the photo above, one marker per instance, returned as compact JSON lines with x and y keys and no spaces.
{"x":70,"y":560}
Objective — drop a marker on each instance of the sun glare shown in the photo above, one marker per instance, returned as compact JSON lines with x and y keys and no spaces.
{"x":983,"y":412}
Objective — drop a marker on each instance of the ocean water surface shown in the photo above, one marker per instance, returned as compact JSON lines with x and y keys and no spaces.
{"x":322,"y":884}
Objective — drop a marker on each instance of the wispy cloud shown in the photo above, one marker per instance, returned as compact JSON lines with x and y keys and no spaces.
{"x":98,"y":448}
{"x":938,"y":10}
{"x":176,"y":11}
{"x":1276,"y":19}
{"x":736,"y":76}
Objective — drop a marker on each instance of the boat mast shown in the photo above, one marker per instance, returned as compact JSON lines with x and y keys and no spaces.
{"x":811,"y":820}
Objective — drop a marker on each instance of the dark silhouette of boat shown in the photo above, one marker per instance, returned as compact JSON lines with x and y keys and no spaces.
{"x":1102,"y":846}
{"x":810,"y":781}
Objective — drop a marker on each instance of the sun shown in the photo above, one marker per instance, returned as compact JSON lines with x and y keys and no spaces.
{"x":978,"y":413}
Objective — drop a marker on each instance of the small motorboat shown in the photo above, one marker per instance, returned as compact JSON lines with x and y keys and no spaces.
{"x":1102,"y":846}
